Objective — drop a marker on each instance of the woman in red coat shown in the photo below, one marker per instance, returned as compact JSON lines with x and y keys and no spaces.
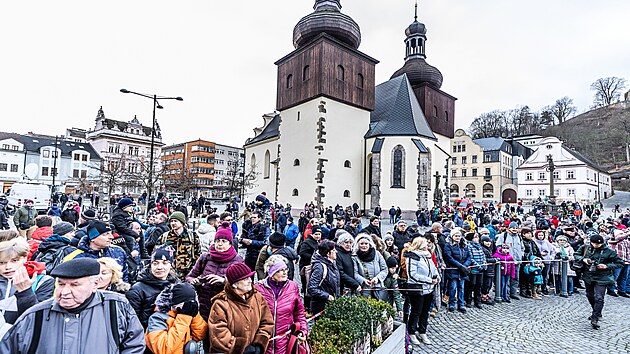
{"x":283,"y":297}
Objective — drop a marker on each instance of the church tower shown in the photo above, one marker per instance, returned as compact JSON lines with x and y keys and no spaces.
{"x":426,"y":80}
{"x":325,"y":93}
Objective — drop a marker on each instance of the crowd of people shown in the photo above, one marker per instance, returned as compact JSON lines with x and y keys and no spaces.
{"x":78,"y":283}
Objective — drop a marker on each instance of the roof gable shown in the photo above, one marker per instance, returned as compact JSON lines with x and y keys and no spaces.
{"x":272,"y":130}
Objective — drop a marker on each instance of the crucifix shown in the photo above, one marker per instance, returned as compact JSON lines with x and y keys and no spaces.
{"x":437,"y":193}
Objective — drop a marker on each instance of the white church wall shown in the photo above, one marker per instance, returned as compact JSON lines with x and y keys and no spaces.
{"x":262,"y":182}
{"x":404,"y":197}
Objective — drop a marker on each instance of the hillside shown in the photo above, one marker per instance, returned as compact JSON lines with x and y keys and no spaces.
{"x":600,"y":134}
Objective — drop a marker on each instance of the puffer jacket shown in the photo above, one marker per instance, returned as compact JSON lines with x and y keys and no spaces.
{"x":236,"y":322}
{"x":89,"y":332}
{"x":456,"y":256}
{"x":121,"y":222}
{"x":27,"y":298}
{"x":287,"y":309}
{"x":602,"y":255}
{"x":306,"y":250}
{"x":115,"y":252}
{"x":143,"y":293}
{"x":345,"y":264}
{"x":330,"y":285}
{"x":490,"y":259}
{"x":42,"y":233}
{"x":507,"y":263}
{"x":478,"y":258}
{"x":205,"y":265}
{"x":421,"y":270}
{"x":376,"y":268}
{"x":169,"y":332}
{"x":287,"y":252}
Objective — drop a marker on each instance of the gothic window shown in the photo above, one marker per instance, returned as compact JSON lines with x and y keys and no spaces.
{"x":296,"y":162}
{"x":267,"y":164}
{"x":346,"y":194}
{"x":341,"y":73}
{"x":306,"y":74}
{"x":398,"y":167}
{"x":446,"y":115}
{"x":360,"y":81}
{"x":347,"y":164}
{"x":295,"y":193}
{"x":435,"y":111}
{"x":289,"y":81}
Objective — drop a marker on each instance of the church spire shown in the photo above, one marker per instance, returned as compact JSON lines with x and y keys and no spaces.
{"x":416,"y":38}
{"x":415,"y":17}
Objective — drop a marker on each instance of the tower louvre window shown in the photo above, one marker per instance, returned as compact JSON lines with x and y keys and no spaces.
{"x":290,"y":81}
{"x":360,"y":80}
{"x":341,"y":73}
{"x":306,"y":73}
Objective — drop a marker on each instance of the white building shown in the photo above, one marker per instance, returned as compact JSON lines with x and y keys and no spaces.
{"x":338,"y":138}
{"x":576,"y":178}
{"x":229,"y":164}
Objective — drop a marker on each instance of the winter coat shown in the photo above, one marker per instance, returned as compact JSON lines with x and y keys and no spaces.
{"x":286,"y":309}
{"x":507,"y":263}
{"x":478,"y":258}
{"x":87,"y":332}
{"x":400,"y":238}
{"x":236,"y":322}
{"x":27,"y":298}
{"x":567,"y":252}
{"x":206,"y":233}
{"x":258,"y":233}
{"x":516,"y":244}
{"x":24,"y":218}
{"x":345,"y":264}
{"x":530,"y":249}
{"x":187,"y":250}
{"x":545,"y":246}
{"x":121,"y":222}
{"x":205,"y":265}
{"x":287,"y":252}
{"x":329,"y":285}
{"x":306,"y":250}
{"x":377,"y":268}
{"x":491,"y":260}
{"x":456,"y":256}
{"x":70,"y":215}
{"x":602,"y":255}
{"x":117,"y":253}
{"x":371,"y":229}
{"x":292,"y":232}
{"x":42,"y":233}
{"x":169,"y":332}
{"x":143,"y":293}
{"x":54,"y":211}
{"x":50,"y":251}
{"x":153,"y":238}
{"x":421,"y":271}
{"x":393,"y":296}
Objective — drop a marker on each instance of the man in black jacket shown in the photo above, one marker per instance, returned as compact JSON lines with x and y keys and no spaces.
{"x":529,"y":249}
{"x":161,"y":227}
{"x":401,"y":236}
{"x":374,"y":227}
{"x":345,"y":263}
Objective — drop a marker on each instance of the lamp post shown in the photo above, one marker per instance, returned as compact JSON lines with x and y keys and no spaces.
{"x":156,"y":104}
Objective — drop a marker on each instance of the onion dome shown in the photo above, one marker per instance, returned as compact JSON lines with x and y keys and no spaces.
{"x":327,"y":18}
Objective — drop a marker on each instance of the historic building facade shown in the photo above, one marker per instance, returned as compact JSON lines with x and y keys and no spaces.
{"x":338,"y":138}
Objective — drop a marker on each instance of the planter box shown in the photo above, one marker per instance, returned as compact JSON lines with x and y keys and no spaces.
{"x":362,"y":346}
{"x":395,"y":343}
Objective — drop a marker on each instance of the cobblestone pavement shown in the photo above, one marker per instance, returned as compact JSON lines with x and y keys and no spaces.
{"x":553,"y":325}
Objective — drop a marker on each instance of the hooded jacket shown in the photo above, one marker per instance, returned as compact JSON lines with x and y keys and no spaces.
{"x":287,"y":309}
{"x":456,"y":256}
{"x":236,"y":322}
{"x":169,"y":332}
{"x":602,"y":255}
{"x":143,"y":293}
{"x":87,"y":332}
{"x":345,"y":265}
{"x":329,"y":285}
{"x":421,"y":270}
{"x":507,"y":263}
{"x":115,"y":252}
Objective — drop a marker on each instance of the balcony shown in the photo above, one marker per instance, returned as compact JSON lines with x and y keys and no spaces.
{"x":487,"y":178}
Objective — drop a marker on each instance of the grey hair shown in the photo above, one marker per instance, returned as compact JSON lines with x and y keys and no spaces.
{"x":276,"y":258}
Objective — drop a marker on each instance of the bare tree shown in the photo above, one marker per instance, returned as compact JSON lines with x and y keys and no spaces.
{"x":111,"y":173}
{"x":607,"y":90}
{"x":563,"y":109}
{"x":489,"y":125}
{"x":235,"y":179}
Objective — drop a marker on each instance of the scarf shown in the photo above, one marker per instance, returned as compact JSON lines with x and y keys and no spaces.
{"x":222,"y":257}
{"x":367,"y":256}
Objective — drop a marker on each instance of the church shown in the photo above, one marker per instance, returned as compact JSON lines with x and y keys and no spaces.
{"x":338,"y":138}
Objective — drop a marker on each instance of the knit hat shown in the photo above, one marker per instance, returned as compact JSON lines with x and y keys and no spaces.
{"x":183,"y":292}
{"x":391,"y":262}
{"x":276,"y":267}
{"x":388,"y":237}
{"x":469,"y":236}
{"x":277,"y":240}
{"x":561,"y":237}
{"x":125,"y":202}
{"x":237,"y":272}
{"x":466,"y":227}
{"x":485,"y":239}
{"x":483,"y":230}
{"x":179,"y":216}
{"x":28,"y":201}
{"x":88,"y":214}
{"x":513,"y":225}
{"x":62,"y":228}
{"x":315,"y":229}
{"x":96,"y":228}
{"x":164,"y":253}
{"x":598,"y":239}
{"x":224,"y":232}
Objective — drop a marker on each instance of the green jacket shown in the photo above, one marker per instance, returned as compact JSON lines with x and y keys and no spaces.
{"x":24,"y":216}
{"x":602,"y":255}
{"x":391,"y":283}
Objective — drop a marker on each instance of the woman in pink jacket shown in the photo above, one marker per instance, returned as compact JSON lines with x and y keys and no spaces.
{"x":283,"y":297}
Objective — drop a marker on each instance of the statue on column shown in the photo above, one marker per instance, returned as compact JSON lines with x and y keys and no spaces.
{"x":437,"y":192}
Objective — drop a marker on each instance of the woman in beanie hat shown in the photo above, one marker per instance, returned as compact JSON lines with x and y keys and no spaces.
{"x":208,"y":274}
{"x":151,"y":281}
{"x":306,"y":250}
{"x":111,"y":276}
{"x":548,"y":254}
{"x":370,"y":269}
{"x":186,"y":244}
{"x":176,"y":322}
{"x":390,"y":247}
{"x":240,"y":321}
{"x":283,"y":297}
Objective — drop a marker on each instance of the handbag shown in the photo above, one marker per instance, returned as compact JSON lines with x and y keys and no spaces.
{"x":294,"y":346}
{"x":578,"y":266}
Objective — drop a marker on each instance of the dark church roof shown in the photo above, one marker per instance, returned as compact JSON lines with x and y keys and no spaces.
{"x":419,"y":72}
{"x":327,"y":18}
{"x":272,"y":130}
{"x":397,"y":111}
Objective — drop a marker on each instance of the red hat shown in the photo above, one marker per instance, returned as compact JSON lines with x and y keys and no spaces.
{"x":28,"y":201}
{"x":237,"y":272}
{"x":224,"y":232}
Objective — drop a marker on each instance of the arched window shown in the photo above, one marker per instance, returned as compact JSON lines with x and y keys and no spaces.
{"x":398,"y":167}
{"x":296,"y":162}
{"x":470,"y":191}
{"x":252,"y":162}
{"x":295,"y":193}
{"x":360,"y":81}
{"x":435,"y":111}
{"x":346,"y":194}
{"x":341,"y":73}
{"x":267,"y":164}
{"x":446,"y":115}
{"x":454,"y":190}
{"x":488,"y":190}
{"x":306,"y":73}
{"x":347,"y":164}
{"x":290,"y":81}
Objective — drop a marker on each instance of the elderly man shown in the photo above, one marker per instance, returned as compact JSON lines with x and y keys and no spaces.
{"x":78,"y":319}
{"x":24,"y":219}
{"x":98,"y":243}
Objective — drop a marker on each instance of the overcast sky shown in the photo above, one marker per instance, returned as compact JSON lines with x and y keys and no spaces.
{"x":62,"y":60}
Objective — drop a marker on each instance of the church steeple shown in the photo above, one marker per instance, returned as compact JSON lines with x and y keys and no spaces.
{"x":416,"y":38}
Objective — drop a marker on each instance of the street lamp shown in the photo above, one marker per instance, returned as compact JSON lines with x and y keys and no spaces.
{"x":156,"y":104}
